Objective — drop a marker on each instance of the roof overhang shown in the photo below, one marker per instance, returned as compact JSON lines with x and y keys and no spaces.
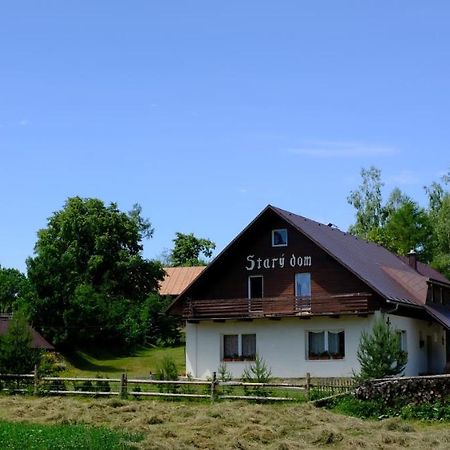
{"x":440,"y":313}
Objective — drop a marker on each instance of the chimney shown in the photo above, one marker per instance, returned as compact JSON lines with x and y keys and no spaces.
{"x":412,"y":259}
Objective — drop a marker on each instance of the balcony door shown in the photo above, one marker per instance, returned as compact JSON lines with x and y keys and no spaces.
{"x":303,"y":292}
{"x":302,"y":285}
{"x":255,"y":286}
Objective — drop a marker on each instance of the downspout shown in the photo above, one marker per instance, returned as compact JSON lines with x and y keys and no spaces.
{"x":395,"y":309}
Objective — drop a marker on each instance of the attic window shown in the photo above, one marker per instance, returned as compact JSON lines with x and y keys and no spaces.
{"x":279,"y":237}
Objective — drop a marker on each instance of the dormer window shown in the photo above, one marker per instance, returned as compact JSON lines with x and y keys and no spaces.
{"x":279,"y":237}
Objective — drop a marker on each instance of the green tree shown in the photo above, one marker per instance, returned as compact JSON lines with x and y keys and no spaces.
{"x":367,"y":200}
{"x":441,"y":226}
{"x":408,"y":228}
{"x":188,"y":248}
{"x":439,"y":214}
{"x":15,"y":289}
{"x":89,"y":274}
{"x":436,"y":192}
{"x":400,"y":225}
{"x":16,"y":352}
{"x":379,"y":352}
{"x":162,"y":329}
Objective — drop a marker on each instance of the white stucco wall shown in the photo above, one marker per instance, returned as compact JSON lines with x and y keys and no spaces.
{"x":282,"y":344}
{"x":422,"y":330}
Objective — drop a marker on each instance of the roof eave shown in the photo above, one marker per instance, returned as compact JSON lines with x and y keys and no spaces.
{"x":208,"y":267}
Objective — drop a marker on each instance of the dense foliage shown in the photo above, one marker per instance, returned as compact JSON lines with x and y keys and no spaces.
{"x":400,"y":224}
{"x":188,"y":248}
{"x":379,"y":409}
{"x":16,"y":352}
{"x":162,"y":329}
{"x":91,"y":280}
{"x":15,"y":289}
{"x":379,"y":352}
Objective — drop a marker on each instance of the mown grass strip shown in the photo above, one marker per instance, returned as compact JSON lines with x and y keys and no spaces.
{"x":20,"y":435}
{"x":91,"y":362}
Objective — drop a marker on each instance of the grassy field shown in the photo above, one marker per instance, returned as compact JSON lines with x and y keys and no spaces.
{"x":110,"y":363}
{"x":20,"y":436}
{"x":189,"y":425}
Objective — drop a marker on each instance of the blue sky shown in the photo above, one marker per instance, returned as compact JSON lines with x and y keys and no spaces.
{"x":204,"y":112}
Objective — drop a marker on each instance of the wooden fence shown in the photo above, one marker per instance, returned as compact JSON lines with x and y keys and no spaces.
{"x":213,"y":389}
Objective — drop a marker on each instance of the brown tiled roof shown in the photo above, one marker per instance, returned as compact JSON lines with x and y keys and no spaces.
{"x":177,"y":279}
{"x":386,"y":273}
{"x":427,"y":271}
{"x":37,"y":340}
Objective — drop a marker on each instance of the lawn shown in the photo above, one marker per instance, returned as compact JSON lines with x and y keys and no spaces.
{"x":17,"y":435}
{"x":225,"y":425}
{"x":102,"y":361}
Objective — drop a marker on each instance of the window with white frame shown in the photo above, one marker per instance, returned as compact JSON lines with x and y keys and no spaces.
{"x":303,"y":285}
{"x":239,"y":347}
{"x":402,"y":340}
{"x":279,"y":237}
{"x":325,"y":344}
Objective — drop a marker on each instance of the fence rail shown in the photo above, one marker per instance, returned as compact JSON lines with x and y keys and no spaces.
{"x":316,"y":389}
{"x":213,"y":389}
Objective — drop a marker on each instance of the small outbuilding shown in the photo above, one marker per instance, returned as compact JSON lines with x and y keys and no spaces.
{"x":38,"y":341}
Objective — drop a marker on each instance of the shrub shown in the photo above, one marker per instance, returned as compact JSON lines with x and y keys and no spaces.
{"x":137,"y":389}
{"x":50,"y":364}
{"x":167,"y":370}
{"x":427,"y":411}
{"x":102,"y":386}
{"x":186,"y":388}
{"x":362,"y":408}
{"x":257,"y":372}
{"x":379,"y":353}
{"x":84,"y":386}
{"x":379,"y":409}
{"x":224,"y":375}
{"x":16,"y":354}
{"x":317,"y":394}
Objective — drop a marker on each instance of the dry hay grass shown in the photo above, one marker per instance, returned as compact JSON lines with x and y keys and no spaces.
{"x":183,"y":425}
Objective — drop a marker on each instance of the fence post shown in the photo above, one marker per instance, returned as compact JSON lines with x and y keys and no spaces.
{"x":123,"y":385}
{"x":36,"y":380}
{"x":308,"y":384}
{"x":213,"y":387}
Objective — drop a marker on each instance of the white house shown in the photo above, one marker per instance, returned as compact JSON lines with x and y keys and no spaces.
{"x":299,"y":293}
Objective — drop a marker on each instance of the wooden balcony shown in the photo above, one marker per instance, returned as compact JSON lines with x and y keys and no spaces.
{"x":253,"y":308}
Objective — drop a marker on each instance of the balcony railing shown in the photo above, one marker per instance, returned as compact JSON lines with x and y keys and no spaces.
{"x":354,"y":303}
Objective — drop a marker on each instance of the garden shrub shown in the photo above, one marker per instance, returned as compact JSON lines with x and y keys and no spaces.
{"x":427,"y":411}
{"x":84,"y":386}
{"x":379,"y":409}
{"x":167,"y":371}
{"x":364,"y":409}
{"x":137,"y":389}
{"x":379,"y":352}
{"x":102,"y":386}
{"x":223,"y":376}
{"x":257,"y":372}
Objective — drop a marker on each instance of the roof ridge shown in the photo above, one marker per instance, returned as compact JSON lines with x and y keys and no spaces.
{"x":331,"y":250}
{"x":367,"y":241}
